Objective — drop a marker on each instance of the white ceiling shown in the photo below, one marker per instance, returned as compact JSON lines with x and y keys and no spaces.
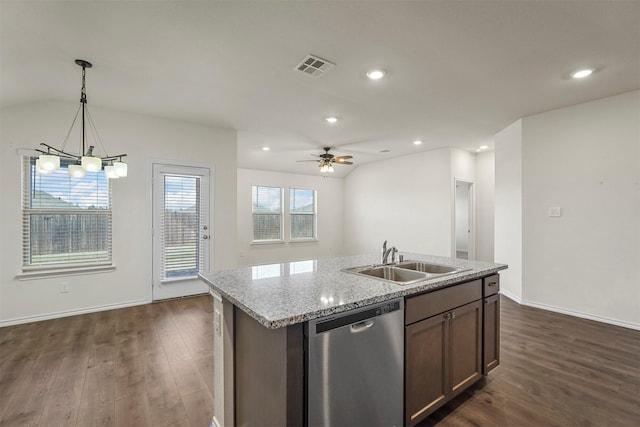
{"x":458,"y":71}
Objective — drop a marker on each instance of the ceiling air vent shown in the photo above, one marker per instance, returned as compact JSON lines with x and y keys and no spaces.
{"x":314,"y":66}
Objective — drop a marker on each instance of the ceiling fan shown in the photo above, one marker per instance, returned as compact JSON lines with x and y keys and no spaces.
{"x":327,"y":160}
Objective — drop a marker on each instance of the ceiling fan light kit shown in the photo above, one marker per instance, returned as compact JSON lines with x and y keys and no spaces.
{"x":327,"y":160}
{"x":86,"y":160}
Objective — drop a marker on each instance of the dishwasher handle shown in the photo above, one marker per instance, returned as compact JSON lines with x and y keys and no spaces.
{"x":362,"y":326}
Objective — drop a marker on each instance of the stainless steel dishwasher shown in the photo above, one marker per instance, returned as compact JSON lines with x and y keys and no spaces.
{"x":355,"y":367}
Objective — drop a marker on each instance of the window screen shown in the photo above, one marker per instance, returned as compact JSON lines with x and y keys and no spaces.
{"x":66,"y":221}
{"x":267,"y":213}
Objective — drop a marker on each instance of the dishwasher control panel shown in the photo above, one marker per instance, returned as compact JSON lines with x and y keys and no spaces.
{"x":388,"y":308}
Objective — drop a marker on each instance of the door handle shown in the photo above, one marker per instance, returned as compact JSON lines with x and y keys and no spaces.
{"x":361,"y":326}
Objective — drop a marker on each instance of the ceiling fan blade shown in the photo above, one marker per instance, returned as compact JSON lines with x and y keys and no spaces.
{"x":344,"y":163}
{"x":338,"y":158}
{"x":307,"y":160}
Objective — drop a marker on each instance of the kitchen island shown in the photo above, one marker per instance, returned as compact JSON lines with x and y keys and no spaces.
{"x":260,"y":316}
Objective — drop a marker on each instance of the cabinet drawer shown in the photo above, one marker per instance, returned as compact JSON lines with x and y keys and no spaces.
{"x":432,"y":303}
{"x":491,"y":285}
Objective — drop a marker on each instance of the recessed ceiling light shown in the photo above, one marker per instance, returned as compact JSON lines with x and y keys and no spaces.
{"x":265,"y":148}
{"x":331,"y":119}
{"x":375,"y":74}
{"x":483,"y":147}
{"x":417,"y":142}
{"x":580,"y":74}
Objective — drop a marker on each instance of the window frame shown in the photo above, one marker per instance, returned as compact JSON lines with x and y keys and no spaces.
{"x":314,"y":214}
{"x":280,"y":213}
{"x":47,"y":269}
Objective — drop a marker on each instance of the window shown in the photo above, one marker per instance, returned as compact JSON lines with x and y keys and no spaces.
{"x":267,"y":213}
{"x":66,"y":221}
{"x":302,"y":207}
{"x":180,"y":218}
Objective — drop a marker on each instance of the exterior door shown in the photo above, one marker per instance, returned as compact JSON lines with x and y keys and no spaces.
{"x":181,"y":230}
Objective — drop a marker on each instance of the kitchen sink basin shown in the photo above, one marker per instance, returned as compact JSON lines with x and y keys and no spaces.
{"x":406,"y":272}
{"x":428,"y":268}
{"x":393,"y":274}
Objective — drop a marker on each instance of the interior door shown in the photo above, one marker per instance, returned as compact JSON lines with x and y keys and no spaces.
{"x":181,"y":230}
{"x":463,"y":239}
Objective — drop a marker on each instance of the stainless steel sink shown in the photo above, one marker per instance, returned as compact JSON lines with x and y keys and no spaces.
{"x":406,"y":272}
{"x":393,"y":274}
{"x":427,"y":267}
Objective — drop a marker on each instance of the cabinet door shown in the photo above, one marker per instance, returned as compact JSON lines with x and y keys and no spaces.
{"x":466,"y":346}
{"x":491,"y":352}
{"x":426,"y":369}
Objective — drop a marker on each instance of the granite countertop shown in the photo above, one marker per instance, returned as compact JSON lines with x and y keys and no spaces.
{"x":277,"y":295}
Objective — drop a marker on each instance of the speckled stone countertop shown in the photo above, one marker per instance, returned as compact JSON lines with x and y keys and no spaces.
{"x":277,"y":295}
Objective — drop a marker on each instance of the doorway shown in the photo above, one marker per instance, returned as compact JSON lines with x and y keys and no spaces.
{"x":181,"y":230}
{"x":463,"y":229}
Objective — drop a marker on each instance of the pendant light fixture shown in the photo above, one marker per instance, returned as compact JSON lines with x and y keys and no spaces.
{"x":86,"y":160}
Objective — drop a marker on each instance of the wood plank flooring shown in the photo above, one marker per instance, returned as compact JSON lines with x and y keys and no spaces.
{"x":555,"y":370}
{"x":148,"y":365}
{"x":152,"y":365}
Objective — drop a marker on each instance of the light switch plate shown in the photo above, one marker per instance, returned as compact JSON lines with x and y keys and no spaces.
{"x":555,"y":211}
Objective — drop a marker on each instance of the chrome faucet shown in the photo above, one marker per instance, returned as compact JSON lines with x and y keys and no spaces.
{"x":385,"y":253}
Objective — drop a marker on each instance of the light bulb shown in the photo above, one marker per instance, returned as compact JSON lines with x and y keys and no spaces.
{"x":110,"y":172}
{"x":120,"y":168}
{"x":76,"y":171}
{"x":40,"y":169}
{"x":580,"y":74}
{"x":330,"y":168}
{"x":375,"y":74}
{"x":91,"y":164}
{"x":49,"y":162}
{"x":324,"y":168}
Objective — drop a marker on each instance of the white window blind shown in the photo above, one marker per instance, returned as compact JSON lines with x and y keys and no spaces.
{"x":267,"y":213}
{"x":181,"y":219}
{"x":66,"y":221}
{"x":302,"y":208}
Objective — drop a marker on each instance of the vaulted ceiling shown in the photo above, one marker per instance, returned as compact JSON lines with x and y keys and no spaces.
{"x":457,"y":71}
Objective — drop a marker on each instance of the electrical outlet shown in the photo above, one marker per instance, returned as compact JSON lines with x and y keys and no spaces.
{"x":555,"y":211}
{"x":64,"y":287}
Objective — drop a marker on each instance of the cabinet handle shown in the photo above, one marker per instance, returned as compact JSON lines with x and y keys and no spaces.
{"x":492,"y":284}
{"x":453,"y":315}
{"x":447,"y":316}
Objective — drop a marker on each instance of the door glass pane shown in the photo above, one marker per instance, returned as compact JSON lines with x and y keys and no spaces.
{"x":181,"y":226}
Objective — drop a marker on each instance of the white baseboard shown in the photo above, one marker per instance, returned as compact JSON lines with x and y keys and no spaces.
{"x":568,"y":312}
{"x":56,"y":315}
{"x":511,"y":296}
{"x":582,"y":315}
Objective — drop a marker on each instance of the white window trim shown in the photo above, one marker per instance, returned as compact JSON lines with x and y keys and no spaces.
{"x":31,"y":274}
{"x":285,"y":221}
{"x":314,"y":213}
{"x":281,"y":213}
{"x":40,"y":271}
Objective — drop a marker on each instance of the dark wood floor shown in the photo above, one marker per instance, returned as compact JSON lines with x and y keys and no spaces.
{"x":555,"y":370}
{"x":148,"y":365}
{"x":152,"y":365}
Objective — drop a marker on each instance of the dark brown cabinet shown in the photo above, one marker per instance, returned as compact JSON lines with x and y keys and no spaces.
{"x":491,"y":323}
{"x":443,"y":353}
